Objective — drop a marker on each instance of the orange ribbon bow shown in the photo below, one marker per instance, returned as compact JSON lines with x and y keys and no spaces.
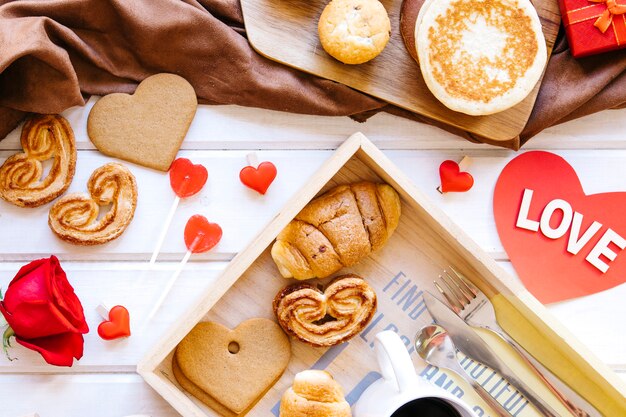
{"x":606,"y":18}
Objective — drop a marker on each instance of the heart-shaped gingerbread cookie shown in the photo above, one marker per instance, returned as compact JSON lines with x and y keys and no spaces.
{"x":148,"y":127}
{"x":232,"y":367}
{"x":326,"y":318}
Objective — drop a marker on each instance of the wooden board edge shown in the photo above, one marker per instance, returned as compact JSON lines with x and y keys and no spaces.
{"x":512,"y":137}
{"x":572,"y":341}
{"x":170,"y":393}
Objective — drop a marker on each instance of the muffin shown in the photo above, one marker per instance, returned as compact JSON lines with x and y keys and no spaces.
{"x":354,"y":31}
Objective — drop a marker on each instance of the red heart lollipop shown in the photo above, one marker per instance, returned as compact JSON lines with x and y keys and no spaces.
{"x":117,"y":326}
{"x":186,"y":178}
{"x":201,"y":235}
{"x":452,"y":179}
{"x":259,"y":179}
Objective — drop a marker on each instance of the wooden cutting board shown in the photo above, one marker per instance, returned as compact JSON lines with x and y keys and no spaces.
{"x":286,"y":31}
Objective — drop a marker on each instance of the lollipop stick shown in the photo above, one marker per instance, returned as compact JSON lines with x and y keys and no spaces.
{"x":173,"y":278}
{"x":166,"y":226}
{"x":253,"y":159}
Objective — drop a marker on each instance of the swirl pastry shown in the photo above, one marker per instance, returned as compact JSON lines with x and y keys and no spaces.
{"x":314,"y":394}
{"x":326,"y":318}
{"x":74,"y":218}
{"x":337,"y":229}
{"x":43,"y":137}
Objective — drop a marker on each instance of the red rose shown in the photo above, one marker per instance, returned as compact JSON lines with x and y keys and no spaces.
{"x":44,"y":313}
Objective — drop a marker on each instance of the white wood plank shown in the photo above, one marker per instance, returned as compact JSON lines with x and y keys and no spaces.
{"x":90,"y":395}
{"x":234,"y":127}
{"x":93,"y":395}
{"x":130,"y":285}
{"x":590,"y":319}
{"x":242,"y":213}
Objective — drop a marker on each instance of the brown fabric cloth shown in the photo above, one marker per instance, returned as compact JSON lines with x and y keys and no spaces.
{"x":53,"y":53}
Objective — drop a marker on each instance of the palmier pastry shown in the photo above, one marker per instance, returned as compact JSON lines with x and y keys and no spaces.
{"x":314,"y":394}
{"x":43,"y":137}
{"x":326,"y":318}
{"x":337,"y":229}
{"x":74,"y":218}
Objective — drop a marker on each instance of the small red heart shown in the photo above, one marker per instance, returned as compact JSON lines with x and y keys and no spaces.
{"x":117,"y":326}
{"x":186,"y":178}
{"x":259,"y":179}
{"x":201,"y":235}
{"x":452,"y":179}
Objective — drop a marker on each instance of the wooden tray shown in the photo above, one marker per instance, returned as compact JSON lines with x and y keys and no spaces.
{"x":425,"y":242}
{"x":286,"y":31}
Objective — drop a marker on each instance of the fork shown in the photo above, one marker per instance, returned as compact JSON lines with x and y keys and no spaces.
{"x":473,"y":306}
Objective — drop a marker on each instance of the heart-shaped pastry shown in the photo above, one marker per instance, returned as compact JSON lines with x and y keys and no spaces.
{"x":233,"y":367}
{"x":186,"y":178}
{"x":260,"y":178}
{"x":326,"y":318}
{"x":452,"y":179}
{"x":117,"y":326}
{"x":148,"y":127}
{"x":201,"y":235}
{"x":43,"y":137}
{"x":572,"y":249}
{"x":74,"y":218}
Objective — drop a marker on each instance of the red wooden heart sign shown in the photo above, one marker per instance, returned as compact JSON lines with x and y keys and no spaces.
{"x":117,"y":326}
{"x":562,"y":242}
{"x":259,"y":179}
{"x":186,"y":178}
{"x":201,"y":235}
{"x":452,"y":179}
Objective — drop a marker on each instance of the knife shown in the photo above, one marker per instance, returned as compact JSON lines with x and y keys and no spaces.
{"x":468,"y":342}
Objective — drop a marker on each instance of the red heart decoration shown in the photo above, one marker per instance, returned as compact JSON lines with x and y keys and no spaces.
{"x":552,"y":268}
{"x":452,"y":179}
{"x":117,"y":326}
{"x":259,"y":179}
{"x":186,"y":178}
{"x":201,"y":235}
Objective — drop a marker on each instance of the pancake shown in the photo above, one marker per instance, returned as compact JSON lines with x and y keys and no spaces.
{"x":480,"y":57}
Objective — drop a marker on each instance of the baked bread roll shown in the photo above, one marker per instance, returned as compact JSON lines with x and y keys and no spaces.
{"x":314,"y":394}
{"x":354,"y":31}
{"x":337,"y":229}
{"x":326,"y":318}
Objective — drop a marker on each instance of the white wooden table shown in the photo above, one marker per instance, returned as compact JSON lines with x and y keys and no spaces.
{"x":104,"y":384}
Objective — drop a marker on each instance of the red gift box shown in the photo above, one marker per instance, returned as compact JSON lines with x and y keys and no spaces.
{"x":594,"y":26}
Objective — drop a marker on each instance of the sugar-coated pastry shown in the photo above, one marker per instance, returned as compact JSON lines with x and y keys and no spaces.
{"x":337,"y":229}
{"x":314,"y":394}
{"x":354,"y":31}
{"x":326,"y":318}
{"x":43,"y":137}
{"x":74,"y":218}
